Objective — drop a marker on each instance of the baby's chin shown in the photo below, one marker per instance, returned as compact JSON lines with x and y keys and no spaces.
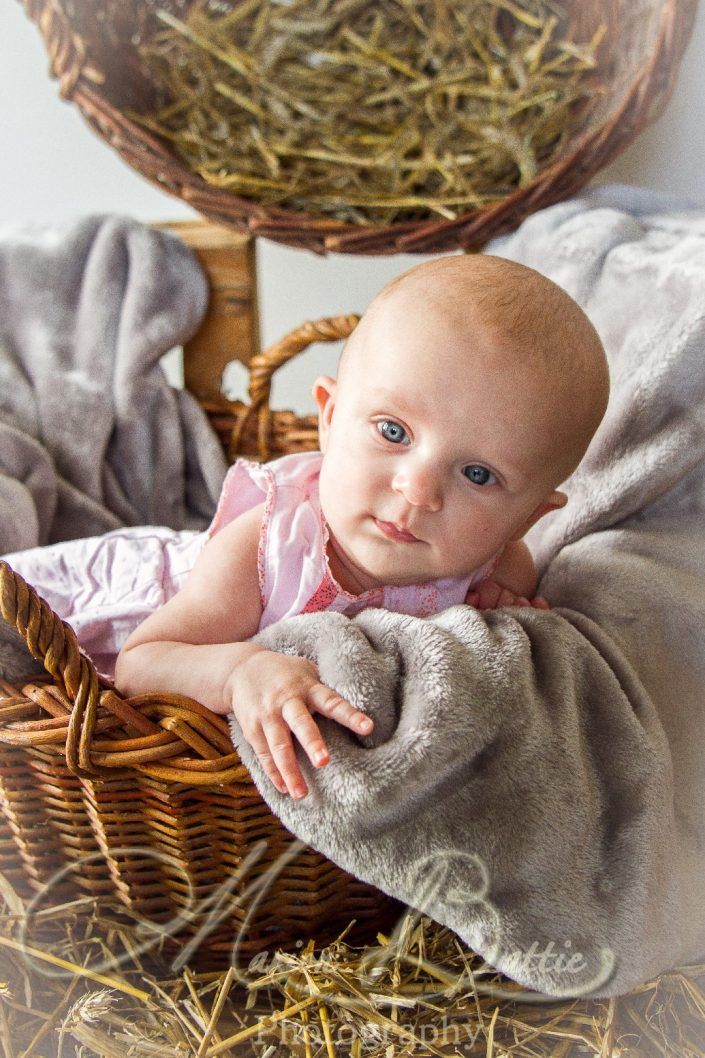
{"x":402,"y":571}
{"x":377,"y":561}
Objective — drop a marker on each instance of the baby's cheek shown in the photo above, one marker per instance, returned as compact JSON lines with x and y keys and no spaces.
{"x":473,"y":541}
{"x":355,"y":483}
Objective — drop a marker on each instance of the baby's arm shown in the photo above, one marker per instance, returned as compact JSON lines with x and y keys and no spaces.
{"x":513,"y":582}
{"x":196,"y":645}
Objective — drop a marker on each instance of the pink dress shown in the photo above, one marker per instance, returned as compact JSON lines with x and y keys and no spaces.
{"x":105,"y":586}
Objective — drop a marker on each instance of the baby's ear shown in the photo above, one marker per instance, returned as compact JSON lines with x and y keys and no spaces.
{"x":552,"y":503}
{"x":323,"y":392}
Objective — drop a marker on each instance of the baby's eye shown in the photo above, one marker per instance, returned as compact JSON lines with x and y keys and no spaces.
{"x":392,"y":431}
{"x":478,"y":474}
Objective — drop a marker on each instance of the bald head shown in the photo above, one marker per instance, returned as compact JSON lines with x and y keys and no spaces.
{"x":539,"y":337}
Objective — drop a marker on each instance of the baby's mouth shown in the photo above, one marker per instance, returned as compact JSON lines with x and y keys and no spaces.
{"x":395,"y":533}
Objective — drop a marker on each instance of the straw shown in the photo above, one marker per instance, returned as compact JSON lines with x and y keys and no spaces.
{"x":371,"y":113}
{"x":417,"y":992}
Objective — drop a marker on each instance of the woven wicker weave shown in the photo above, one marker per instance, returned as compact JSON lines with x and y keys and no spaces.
{"x":144,"y":800}
{"x":93,"y":55}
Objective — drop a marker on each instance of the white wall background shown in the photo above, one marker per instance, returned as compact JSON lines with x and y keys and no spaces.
{"x":55,"y":168}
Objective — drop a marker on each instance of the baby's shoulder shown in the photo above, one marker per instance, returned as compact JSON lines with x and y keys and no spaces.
{"x":243,"y":529}
{"x":227,"y":566}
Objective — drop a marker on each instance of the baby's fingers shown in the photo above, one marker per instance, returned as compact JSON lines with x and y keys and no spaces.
{"x":261,"y":748}
{"x":327,"y":701}
{"x":282,"y":752}
{"x":489,"y":595}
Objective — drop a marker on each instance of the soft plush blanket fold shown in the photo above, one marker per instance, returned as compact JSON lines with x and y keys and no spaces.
{"x":536,"y":780}
{"x":92,"y":436}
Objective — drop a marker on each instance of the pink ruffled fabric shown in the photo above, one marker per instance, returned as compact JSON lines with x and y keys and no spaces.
{"x":105,"y":586}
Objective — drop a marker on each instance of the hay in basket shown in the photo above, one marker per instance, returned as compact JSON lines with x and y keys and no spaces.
{"x":416,"y":126}
{"x":371,"y":114}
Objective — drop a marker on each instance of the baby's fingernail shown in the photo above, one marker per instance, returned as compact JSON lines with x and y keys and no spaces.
{"x":319,"y":756}
{"x":299,"y":791}
{"x":365,"y":724}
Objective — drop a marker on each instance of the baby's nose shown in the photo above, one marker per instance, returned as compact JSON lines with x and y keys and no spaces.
{"x":419,"y":487}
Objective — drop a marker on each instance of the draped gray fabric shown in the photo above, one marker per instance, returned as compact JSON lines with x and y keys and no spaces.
{"x":92,"y":435}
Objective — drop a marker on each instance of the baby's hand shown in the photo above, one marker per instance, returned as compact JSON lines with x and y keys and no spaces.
{"x":273,"y":694}
{"x":489,"y":595}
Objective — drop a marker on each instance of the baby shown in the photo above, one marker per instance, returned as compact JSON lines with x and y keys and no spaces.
{"x":468,"y":392}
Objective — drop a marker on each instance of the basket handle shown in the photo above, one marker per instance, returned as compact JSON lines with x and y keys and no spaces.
{"x":192,"y":725}
{"x":54,"y":643}
{"x":264,"y":364}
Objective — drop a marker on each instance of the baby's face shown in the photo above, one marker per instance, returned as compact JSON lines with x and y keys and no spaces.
{"x":444,"y":438}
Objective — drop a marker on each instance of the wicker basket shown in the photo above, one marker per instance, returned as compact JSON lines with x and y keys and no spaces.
{"x":143,"y":801}
{"x":94,"y":56}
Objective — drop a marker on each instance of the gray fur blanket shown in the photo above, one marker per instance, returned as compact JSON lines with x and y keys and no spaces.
{"x":536,"y":780}
{"x":92,"y":436}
